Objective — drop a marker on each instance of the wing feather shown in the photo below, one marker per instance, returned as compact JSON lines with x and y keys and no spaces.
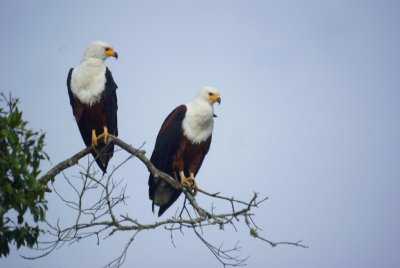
{"x":110,"y":96}
{"x":167,"y":143}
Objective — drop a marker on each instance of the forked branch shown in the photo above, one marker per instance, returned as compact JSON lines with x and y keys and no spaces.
{"x":100,"y":220}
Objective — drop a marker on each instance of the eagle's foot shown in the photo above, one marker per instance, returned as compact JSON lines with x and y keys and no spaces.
{"x":105,"y":135}
{"x":190,"y":183}
{"x":94,"y":139}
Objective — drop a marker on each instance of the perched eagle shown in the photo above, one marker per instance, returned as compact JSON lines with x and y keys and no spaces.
{"x":92,"y":94}
{"x":182,"y":143}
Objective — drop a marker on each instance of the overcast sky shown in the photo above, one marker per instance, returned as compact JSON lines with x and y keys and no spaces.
{"x":309,"y":117}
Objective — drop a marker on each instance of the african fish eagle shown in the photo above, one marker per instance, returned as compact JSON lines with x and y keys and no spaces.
{"x":92,"y":94}
{"x":181,"y":145}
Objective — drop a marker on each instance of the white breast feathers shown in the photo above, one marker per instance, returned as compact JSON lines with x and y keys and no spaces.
{"x":198,"y":122}
{"x":88,"y":81}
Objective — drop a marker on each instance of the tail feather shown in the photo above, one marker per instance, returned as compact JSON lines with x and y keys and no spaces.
{"x":103,"y":156}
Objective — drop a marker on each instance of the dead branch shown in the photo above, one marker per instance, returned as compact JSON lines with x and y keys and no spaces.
{"x":49,"y":175}
{"x":100,"y":220}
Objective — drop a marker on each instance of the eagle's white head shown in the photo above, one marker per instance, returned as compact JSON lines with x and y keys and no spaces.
{"x":88,"y":79}
{"x":99,"y":50}
{"x":208,"y":94}
{"x":199,"y":119}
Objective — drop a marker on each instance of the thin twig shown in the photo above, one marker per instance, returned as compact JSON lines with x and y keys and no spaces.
{"x":97,"y":218}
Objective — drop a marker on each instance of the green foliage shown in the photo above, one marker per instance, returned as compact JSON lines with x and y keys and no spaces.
{"x":21,"y":151}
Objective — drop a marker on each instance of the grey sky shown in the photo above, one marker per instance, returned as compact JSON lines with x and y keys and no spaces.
{"x":309,"y":117}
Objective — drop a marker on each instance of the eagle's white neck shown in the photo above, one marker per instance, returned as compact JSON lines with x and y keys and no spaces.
{"x":88,"y":80}
{"x":199,"y":120}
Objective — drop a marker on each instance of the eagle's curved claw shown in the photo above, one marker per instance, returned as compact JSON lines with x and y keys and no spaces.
{"x":94,"y":139}
{"x":190,"y":183}
{"x":105,"y":135}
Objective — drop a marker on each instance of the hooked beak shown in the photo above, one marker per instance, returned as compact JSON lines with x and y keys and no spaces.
{"x":110,"y":52}
{"x":115,"y":55}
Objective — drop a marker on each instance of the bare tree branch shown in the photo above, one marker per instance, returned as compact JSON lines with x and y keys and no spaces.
{"x":64,"y":165}
{"x":99,"y":218}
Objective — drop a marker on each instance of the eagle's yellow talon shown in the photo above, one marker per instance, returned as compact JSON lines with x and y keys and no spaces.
{"x":189,"y":182}
{"x":94,"y":140}
{"x":105,"y":135}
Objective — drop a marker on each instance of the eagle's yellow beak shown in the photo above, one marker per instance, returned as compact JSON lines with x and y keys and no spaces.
{"x":111,"y":53}
{"x":215,"y":98}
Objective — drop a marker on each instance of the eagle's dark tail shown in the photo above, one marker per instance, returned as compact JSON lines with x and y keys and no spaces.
{"x":103,"y":155}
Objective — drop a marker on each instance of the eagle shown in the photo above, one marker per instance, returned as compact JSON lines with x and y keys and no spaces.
{"x":181,"y":145}
{"x":92,"y":95}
